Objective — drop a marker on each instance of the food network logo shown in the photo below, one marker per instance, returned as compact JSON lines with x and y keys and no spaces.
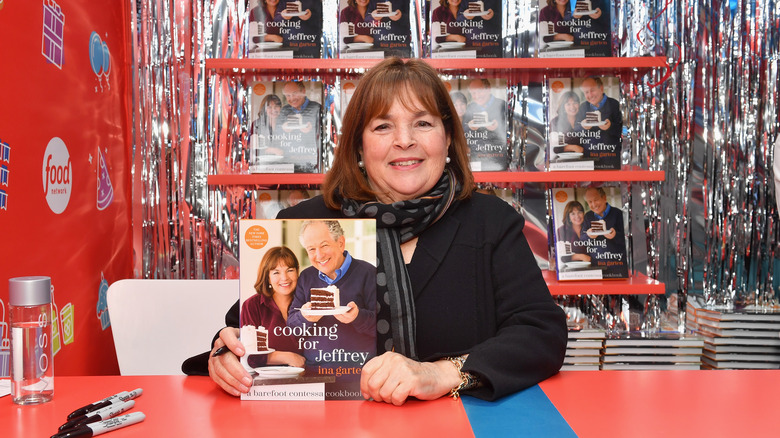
{"x":57,"y":175}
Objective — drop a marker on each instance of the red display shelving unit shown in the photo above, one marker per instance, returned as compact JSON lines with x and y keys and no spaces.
{"x":632,"y":68}
{"x":636,"y":284}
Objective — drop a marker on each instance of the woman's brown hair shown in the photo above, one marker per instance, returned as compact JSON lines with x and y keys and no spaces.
{"x":376,"y":92}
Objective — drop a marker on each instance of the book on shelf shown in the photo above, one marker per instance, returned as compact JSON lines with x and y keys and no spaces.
{"x":285,"y":134}
{"x":576,"y":29}
{"x":585,"y":123}
{"x":316,"y":347}
{"x":738,"y":333}
{"x":571,"y":360}
{"x":288,"y":29}
{"x":650,"y":366}
{"x":585,"y":343}
{"x":746,"y":357}
{"x":583,"y":352}
{"x":377,"y":29}
{"x":745,"y":341}
{"x":641,"y":339}
{"x":482,"y":106}
{"x":750,"y":313}
{"x":652,"y":358}
{"x":581,"y":367}
{"x":743,"y":325}
{"x":468,"y":29}
{"x":748,"y":349}
{"x":589,"y":233}
{"x":708,"y":363}
{"x":587,"y":333}
{"x":652,"y":350}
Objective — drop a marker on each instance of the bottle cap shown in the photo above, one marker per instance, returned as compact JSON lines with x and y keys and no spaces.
{"x":29,"y":291}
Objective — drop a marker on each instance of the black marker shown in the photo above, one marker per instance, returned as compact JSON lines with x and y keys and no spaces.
{"x":220,"y":351}
{"x":88,"y":430}
{"x":100,"y":414}
{"x":108,"y":401}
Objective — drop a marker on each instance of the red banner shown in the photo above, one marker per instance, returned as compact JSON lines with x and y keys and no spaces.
{"x":65,"y":175}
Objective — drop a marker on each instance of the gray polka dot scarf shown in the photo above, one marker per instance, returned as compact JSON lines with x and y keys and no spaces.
{"x":397,"y":223}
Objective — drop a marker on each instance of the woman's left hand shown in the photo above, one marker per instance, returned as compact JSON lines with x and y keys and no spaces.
{"x":392,"y":378}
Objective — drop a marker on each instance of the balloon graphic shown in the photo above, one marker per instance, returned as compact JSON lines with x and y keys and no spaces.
{"x":106,"y":57}
{"x":96,"y":53}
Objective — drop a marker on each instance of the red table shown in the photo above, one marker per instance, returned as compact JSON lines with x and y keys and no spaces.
{"x":179,"y":406}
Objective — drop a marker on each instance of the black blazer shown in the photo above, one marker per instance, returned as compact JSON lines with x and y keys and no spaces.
{"x":478,"y":290}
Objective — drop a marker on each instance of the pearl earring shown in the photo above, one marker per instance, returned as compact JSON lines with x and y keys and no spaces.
{"x":447,"y":160}
{"x":361,"y":164}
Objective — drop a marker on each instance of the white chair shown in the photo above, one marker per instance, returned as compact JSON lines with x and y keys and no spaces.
{"x":157,"y":324}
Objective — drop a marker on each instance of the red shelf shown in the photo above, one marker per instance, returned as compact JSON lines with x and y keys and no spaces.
{"x":638,"y":284}
{"x":632,"y":174}
{"x":636,"y":64}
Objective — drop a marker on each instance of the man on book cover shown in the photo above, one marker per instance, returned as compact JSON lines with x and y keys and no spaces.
{"x":354,"y":331}
{"x":608,"y":239}
{"x":484,"y":123}
{"x":602,"y":123}
{"x":300,"y":124}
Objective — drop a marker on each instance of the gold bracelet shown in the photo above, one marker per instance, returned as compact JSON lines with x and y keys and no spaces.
{"x":467,"y":380}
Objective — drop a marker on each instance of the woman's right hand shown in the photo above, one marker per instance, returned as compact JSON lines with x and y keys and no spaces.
{"x":226,"y":369}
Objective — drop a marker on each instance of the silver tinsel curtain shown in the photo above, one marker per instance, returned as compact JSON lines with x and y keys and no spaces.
{"x":709,"y":121}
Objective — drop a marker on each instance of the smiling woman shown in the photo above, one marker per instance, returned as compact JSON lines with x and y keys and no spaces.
{"x":461,"y":303}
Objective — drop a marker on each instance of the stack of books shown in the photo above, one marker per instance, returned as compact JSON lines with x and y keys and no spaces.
{"x":742,"y":338}
{"x":583,"y":350}
{"x":652,"y":351}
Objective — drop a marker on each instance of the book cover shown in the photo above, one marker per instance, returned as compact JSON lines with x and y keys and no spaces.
{"x":466,"y":29}
{"x":482,"y":107}
{"x":749,"y":313}
{"x":708,"y":363}
{"x":374,"y":28}
{"x":585,"y":123}
{"x":284,"y":29}
{"x":286,"y":127}
{"x":574,"y":29}
{"x":307,"y":338}
{"x":589,"y":233}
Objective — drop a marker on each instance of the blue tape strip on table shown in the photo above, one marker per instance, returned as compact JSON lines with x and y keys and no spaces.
{"x":528,"y":413}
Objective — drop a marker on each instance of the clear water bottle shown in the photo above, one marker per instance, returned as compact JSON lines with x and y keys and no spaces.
{"x":32,"y":360}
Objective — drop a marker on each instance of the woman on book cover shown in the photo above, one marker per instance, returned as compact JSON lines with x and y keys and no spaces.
{"x":557,"y":12}
{"x":267,"y":124}
{"x":447,"y":12}
{"x":451,"y":261}
{"x":565,"y":122}
{"x":277,"y":277}
{"x":357,"y":13}
{"x":268,"y":14}
{"x":572,"y":230}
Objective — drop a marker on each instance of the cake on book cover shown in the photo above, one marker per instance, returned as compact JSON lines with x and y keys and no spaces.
{"x":466,"y":29}
{"x":589,"y":233}
{"x":375,"y":29}
{"x":285,"y":134}
{"x":574,"y":29}
{"x":585,"y":123}
{"x":308,"y":306}
{"x":284,"y":29}
{"x":481,"y":105}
